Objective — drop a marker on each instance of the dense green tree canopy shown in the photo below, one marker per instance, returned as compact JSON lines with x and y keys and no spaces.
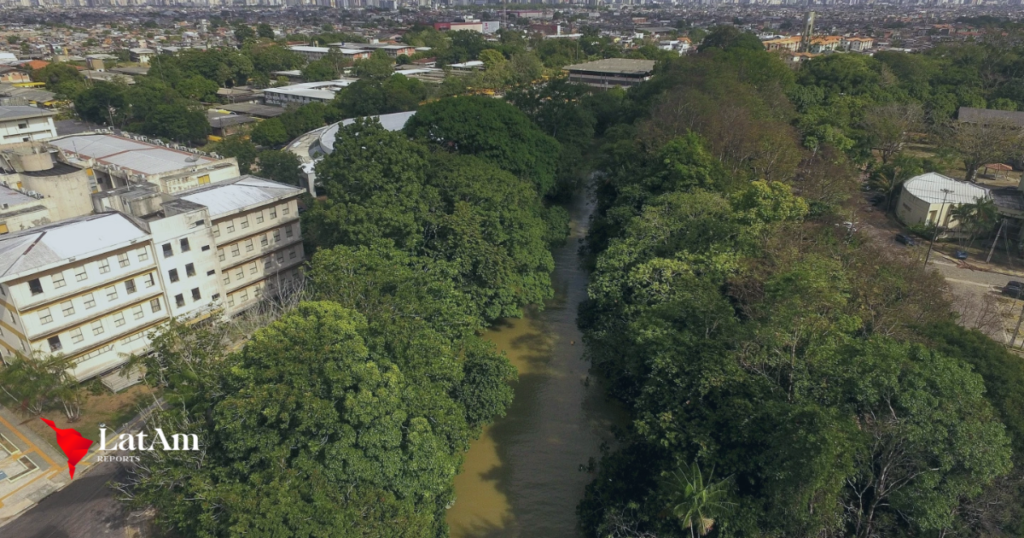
{"x":492,"y":130}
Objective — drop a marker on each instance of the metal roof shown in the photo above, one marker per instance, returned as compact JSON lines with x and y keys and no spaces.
{"x":10,"y":113}
{"x":391,"y":122}
{"x":930,"y":188}
{"x":36,"y":248}
{"x":980,"y":115}
{"x":129,"y":154}
{"x":234,"y":194}
{"x":615,"y":66}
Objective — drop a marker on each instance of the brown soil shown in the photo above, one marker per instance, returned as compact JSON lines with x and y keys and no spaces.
{"x":108,"y":408}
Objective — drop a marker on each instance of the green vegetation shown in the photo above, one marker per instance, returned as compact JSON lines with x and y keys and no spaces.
{"x":783,"y":378}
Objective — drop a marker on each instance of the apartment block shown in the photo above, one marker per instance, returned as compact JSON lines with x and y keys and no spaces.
{"x":87,"y":288}
{"x":94,"y":288}
{"x":255,"y":228}
{"x":25,"y":124}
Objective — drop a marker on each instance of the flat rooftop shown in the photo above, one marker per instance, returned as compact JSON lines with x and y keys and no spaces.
{"x":134,"y":155}
{"x":615,"y":66}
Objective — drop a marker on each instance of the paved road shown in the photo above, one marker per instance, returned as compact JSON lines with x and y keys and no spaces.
{"x":86,"y":508}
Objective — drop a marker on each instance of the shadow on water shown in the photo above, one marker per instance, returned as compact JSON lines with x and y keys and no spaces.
{"x":523,"y":477}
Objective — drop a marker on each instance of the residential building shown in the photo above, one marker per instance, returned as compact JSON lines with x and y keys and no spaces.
{"x":612,"y":72}
{"x":858,"y":44}
{"x":791,"y":43}
{"x":258,"y":243}
{"x":307,"y":92}
{"x":86,"y":288}
{"x":141,"y":55}
{"x":93,"y":288}
{"x":26,"y":123}
{"x":316,"y":53}
{"x":117,"y":161}
{"x":393,"y":50}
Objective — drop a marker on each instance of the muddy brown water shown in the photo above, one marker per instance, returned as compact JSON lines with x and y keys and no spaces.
{"x":522,"y":478}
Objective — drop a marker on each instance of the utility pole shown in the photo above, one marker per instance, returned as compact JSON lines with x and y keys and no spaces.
{"x":938,"y":220}
{"x":996,"y":240}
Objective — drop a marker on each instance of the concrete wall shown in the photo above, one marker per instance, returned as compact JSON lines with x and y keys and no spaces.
{"x":25,"y":216}
{"x":911,"y":210}
{"x":191,"y":265}
{"x":67,"y":195}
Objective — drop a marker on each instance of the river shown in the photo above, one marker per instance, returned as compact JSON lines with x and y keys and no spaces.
{"x":522,"y":478}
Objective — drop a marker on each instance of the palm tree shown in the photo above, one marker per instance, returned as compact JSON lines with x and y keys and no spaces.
{"x":694,"y":500}
{"x":974,"y":219}
{"x":890,"y":176}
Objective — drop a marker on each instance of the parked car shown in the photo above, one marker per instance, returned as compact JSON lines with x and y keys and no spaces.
{"x":1014,"y":288}
{"x":905,"y":239}
{"x":960,"y":254}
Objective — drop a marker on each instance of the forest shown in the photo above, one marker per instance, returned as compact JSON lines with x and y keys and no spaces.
{"x":784,"y":376}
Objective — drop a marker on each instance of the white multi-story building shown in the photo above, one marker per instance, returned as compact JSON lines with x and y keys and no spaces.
{"x":258,"y":243}
{"x":306,"y":92}
{"x":25,"y":124}
{"x":93,"y":288}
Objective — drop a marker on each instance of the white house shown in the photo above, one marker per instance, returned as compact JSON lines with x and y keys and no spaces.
{"x":928,"y":198}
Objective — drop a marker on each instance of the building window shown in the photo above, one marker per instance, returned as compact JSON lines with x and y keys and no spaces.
{"x":80,"y":273}
{"x":280,"y":257}
{"x":190,"y":269}
{"x":288,"y":231}
{"x":234,"y":250}
{"x":155,"y":305}
{"x":89,"y":300}
{"x":227,"y":278}
{"x":195,"y":294}
{"x":76,"y":336}
{"x":216,"y":230}
{"x":54,"y":342}
{"x":137,"y":312}
{"x":291,"y":254}
{"x":248,"y":245}
{"x":252,"y":268}
{"x":273,"y":212}
{"x":67,"y":308}
{"x":277,"y":236}
{"x":220,"y":254}
{"x":149,"y":281}
{"x":179,"y":300}
{"x":244,"y":296}
{"x":173,"y":275}
{"x":142,"y":254}
{"x":205,"y":248}
{"x":266,"y":264}
{"x":259,"y":218}
{"x":211,"y":272}
{"x":231,"y":300}
{"x":122,"y":259}
{"x":240,"y":274}
{"x":264,"y":241}
{"x":245,"y":223}
{"x":35,"y":286}
{"x":285,"y":209}
{"x":168,"y":250}
{"x":58,"y":280}
{"x":184,"y":245}
{"x":111,"y":293}
{"x":45,"y":317}
{"x":129,"y":285}
{"x":231,"y":227}
{"x":104,"y":266}
{"x":119,"y":319}
{"x":215,"y":296}
{"x":97,"y":327}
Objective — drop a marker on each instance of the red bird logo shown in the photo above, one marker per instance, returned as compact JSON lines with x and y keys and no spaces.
{"x":75,"y":446}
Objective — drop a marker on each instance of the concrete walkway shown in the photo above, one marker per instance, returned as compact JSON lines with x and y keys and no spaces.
{"x":30,"y":467}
